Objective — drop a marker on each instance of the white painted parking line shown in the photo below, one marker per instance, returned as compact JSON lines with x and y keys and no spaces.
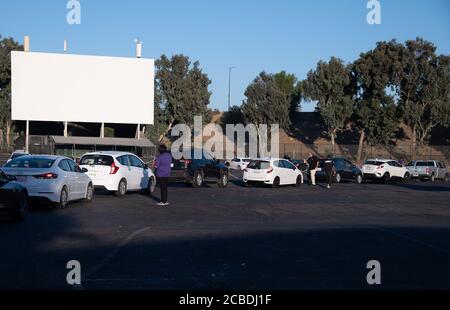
{"x":115,"y":251}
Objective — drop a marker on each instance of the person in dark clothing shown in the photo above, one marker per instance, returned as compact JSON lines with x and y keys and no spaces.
{"x":329,"y":170}
{"x":313,"y":163}
{"x":163,"y":164}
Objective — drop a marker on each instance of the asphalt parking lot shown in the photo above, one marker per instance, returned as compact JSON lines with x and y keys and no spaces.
{"x":238,"y":238}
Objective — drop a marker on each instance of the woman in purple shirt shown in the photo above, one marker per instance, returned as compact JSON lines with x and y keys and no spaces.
{"x":163,"y":164}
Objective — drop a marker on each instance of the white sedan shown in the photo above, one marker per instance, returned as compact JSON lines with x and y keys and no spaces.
{"x":273,"y":171}
{"x":118,"y":172}
{"x":56,"y":179}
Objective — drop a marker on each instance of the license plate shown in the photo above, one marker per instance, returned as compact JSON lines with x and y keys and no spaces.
{"x":21,"y":179}
{"x":91,"y":174}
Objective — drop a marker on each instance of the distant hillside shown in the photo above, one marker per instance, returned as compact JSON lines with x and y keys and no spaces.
{"x":308,"y":128}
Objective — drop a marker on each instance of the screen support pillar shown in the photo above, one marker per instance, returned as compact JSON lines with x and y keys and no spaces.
{"x":27,"y":136}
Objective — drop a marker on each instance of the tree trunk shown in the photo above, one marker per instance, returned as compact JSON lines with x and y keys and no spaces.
{"x":166,"y":131}
{"x":8,"y":133}
{"x":333,"y":142}
{"x":362,"y":136}
{"x":414,"y":143}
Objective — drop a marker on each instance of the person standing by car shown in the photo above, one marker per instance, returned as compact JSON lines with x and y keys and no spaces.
{"x":313,"y":162}
{"x":329,"y":170}
{"x":163,"y":164}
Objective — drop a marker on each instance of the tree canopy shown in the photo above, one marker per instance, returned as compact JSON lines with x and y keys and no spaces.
{"x":266,"y":103}
{"x":329,"y":85}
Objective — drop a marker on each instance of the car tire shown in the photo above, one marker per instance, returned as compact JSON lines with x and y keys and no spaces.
{"x":151,"y":185}
{"x":63,"y":198}
{"x":223,"y":180}
{"x":198,"y":179}
{"x":386,"y":177}
{"x":298,"y":181}
{"x":89,"y":193}
{"x":406,"y":177}
{"x":121,"y":188}
{"x":338,"y":178}
{"x":276,"y":182}
{"x":23,"y":208}
{"x":359,"y":179}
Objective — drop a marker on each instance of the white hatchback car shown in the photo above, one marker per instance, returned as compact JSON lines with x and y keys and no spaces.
{"x":118,"y":172}
{"x":56,"y":179}
{"x":273,"y":171}
{"x":384,"y":169}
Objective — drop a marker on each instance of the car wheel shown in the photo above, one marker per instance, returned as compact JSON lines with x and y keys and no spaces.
{"x":121,"y":189}
{"x":63,"y":198}
{"x":151,"y":185}
{"x":276,"y":182}
{"x":23,"y":208}
{"x":338,"y":178}
{"x":223,"y":181}
{"x":299,"y":181}
{"x":198,"y":179}
{"x":406,"y":177}
{"x":89,"y":193}
{"x":359,"y":179}
{"x":386,"y":177}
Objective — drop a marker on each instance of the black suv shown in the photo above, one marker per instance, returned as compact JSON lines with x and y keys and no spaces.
{"x":197,"y":171}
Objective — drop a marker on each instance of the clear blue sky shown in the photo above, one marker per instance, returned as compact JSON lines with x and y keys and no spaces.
{"x":253,"y":35}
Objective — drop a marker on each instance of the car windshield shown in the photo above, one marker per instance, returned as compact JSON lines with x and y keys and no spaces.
{"x":259,"y":165}
{"x":424,"y":164}
{"x":102,"y":160}
{"x":30,"y":162}
{"x":373,"y":162}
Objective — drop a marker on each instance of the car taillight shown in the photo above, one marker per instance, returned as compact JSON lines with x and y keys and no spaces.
{"x":46,"y":176}
{"x":114,"y":169}
{"x":270,"y":170}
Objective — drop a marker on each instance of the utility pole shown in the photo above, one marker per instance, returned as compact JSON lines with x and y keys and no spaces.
{"x":229,"y":87}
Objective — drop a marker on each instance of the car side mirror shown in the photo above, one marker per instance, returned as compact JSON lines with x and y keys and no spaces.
{"x":84,"y":170}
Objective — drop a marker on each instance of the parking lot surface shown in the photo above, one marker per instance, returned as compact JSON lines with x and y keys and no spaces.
{"x":238,"y":238}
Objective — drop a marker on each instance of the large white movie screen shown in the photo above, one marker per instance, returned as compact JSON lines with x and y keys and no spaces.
{"x":76,"y":88}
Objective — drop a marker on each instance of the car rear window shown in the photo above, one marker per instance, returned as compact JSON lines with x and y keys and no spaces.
{"x":424,"y":164}
{"x":374,"y":162}
{"x":102,"y":160}
{"x":27,"y":162}
{"x":259,"y":165}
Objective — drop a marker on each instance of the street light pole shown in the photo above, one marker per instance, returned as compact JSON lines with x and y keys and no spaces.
{"x":229,"y":87}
